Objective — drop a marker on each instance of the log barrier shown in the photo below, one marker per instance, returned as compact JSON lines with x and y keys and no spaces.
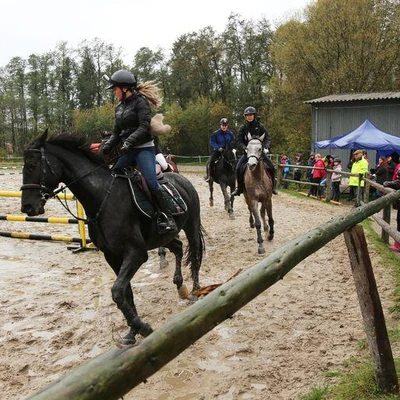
{"x":117,"y":371}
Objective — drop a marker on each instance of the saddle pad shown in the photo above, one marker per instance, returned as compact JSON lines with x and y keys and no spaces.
{"x":148,"y":208}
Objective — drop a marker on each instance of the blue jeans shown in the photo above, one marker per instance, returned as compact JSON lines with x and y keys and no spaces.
{"x":146,"y":161}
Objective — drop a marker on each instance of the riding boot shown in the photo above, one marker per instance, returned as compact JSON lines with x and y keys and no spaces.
{"x":165,"y":222}
{"x":272,"y":172}
{"x":207,"y":177}
{"x":240,"y":185}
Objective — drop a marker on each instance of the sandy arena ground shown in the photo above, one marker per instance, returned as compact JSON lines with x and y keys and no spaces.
{"x":57,"y":309}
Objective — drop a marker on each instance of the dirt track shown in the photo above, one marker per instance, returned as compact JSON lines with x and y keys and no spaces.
{"x":58,"y":312}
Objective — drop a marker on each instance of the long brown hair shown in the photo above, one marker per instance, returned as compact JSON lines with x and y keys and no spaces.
{"x":151,"y":91}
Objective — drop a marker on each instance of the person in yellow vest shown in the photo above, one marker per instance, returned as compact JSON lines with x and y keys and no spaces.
{"x":360,"y":166}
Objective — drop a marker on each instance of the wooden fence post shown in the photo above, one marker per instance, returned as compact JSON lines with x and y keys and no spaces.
{"x":371,"y":310}
{"x":386,"y":218}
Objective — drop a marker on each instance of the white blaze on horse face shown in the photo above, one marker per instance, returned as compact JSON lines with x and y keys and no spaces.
{"x":254,"y":152}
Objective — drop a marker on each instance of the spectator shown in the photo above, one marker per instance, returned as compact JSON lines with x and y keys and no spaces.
{"x":297,"y":172}
{"x":336,"y":178}
{"x":395,"y":184}
{"x":317,"y":175}
{"x":391,"y":166}
{"x":310,"y":163}
{"x":285,"y":160}
{"x":381,"y":174}
{"x":360,"y":166}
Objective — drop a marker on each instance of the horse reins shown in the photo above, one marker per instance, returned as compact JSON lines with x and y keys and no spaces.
{"x":46,"y":193}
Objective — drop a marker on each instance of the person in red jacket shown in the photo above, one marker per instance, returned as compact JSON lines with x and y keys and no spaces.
{"x":317,"y":175}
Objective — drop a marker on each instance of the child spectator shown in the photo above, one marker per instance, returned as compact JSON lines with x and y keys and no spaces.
{"x":297,"y":172}
{"x":336,"y":178}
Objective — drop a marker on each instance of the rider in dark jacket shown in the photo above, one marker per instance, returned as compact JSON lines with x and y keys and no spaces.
{"x":219,"y":140}
{"x":132,"y":128}
{"x":254,"y":128}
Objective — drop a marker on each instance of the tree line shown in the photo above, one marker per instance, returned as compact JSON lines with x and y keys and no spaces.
{"x":331,"y":47}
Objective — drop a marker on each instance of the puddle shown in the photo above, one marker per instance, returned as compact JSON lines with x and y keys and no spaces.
{"x":213,"y":365}
{"x":45,"y":334}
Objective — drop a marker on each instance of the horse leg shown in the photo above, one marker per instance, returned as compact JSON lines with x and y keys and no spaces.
{"x":264,"y":222}
{"x":257,"y":224}
{"x":271,"y":221}
{"x":162,"y":254}
{"x":175,"y":246}
{"x":211,"y":187}
{"x":227,"y":198}
{"x":122,"y":293}
{"x":251,"y":218}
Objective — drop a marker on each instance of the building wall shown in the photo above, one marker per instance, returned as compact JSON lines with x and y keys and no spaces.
{"x":338,"y":118}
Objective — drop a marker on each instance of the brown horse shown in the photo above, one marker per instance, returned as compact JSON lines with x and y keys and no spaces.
{"x":258,"y":189}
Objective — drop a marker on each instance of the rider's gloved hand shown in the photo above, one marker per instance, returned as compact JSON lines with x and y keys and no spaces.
{"x":220,"y":149}
{"x":125,"y":148}
{"x":266,"y":151}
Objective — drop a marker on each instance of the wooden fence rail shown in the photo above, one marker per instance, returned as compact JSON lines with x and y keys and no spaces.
{"x":116,"y":372}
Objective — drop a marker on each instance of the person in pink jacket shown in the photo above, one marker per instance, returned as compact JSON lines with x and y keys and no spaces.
{"x":317,"y":175}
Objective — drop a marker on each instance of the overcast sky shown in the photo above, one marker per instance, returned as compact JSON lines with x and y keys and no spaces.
{"x":37,"y":26}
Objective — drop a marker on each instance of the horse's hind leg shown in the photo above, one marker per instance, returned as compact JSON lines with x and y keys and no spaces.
{"x":227,"y":198}
{"x":211,"y":187}
{"x":271,"y":221}
{"x":175,"y":246}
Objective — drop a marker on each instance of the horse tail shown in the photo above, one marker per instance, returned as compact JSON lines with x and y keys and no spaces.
{"x":195,"y":250}
{"x":151,"y":91}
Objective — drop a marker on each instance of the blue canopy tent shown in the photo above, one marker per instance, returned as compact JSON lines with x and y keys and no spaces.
{"x":367,"y":136}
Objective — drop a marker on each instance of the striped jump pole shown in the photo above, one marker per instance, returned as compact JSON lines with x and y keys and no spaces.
{"x":85,"y":244}
{"x":33,"y":236}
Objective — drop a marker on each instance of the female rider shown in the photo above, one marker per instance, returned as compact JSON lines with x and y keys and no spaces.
{"x":132,"y":127}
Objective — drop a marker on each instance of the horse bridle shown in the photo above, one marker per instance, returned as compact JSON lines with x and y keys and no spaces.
{"x":262,"y":153}
{"x":44,"y":191}
{"x":47,"y":193}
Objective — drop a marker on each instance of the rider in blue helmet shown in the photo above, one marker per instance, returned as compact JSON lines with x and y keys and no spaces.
{"x":219,"y":140}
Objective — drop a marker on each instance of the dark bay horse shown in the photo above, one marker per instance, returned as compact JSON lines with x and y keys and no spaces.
{"x":224,"y":175}
{"x":115,"y":225}
{"x":258,"y":189}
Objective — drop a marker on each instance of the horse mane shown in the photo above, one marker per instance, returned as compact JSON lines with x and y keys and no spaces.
{"x":151,"y":91}
{"x":75,"y":142}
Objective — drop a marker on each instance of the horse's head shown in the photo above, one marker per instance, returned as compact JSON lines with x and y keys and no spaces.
{"x":255,"y":151}
{"x":40,"y":177}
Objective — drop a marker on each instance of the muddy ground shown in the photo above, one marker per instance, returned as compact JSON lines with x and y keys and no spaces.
{"x":57,"y":309}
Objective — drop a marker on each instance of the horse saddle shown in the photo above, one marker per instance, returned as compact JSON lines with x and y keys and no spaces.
{"x":142,"y":196}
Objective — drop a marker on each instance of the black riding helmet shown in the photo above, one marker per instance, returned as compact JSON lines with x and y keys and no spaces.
{"x":224,"y":121}
{"x":250,"y":110}
{"x":121,"y":78}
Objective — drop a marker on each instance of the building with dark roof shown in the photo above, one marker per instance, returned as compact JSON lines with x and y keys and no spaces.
{"x":336,"y":115}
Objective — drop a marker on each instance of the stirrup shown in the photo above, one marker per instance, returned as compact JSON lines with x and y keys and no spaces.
{"x":165,"y":224}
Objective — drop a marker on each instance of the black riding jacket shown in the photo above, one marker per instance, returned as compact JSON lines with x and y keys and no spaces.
{"x":132,"y":122}
{"x":254,"y":128}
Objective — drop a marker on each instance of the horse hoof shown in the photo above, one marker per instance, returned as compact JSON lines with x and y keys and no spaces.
{"x":270,"y":237}
{"x":261,"y":251}
{"x":211,"y":204}
{"x":183,"y":292}
{"x":163,"y":263}
{"x":129,"y":339}
{"x":145,"y":330}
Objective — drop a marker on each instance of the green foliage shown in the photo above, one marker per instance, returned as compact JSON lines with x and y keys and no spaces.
{"x":335,"y":46}
{"x":92,"y":123}
{"x":316,"y":394}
